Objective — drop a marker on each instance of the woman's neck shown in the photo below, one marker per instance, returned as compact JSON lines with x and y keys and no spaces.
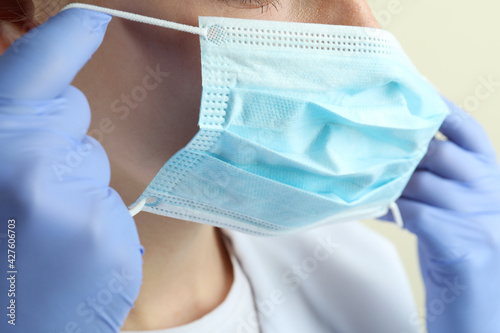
{"x":187,"y":272}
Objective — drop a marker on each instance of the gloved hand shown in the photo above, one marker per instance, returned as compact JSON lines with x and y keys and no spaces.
{"x":452,"y":204}
{"x":77,"y":252}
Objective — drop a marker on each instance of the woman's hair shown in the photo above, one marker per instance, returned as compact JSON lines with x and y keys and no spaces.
{"x":29,"y":12}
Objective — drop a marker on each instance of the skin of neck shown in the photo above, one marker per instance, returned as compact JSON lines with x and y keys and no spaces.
{"x":186,"y":273}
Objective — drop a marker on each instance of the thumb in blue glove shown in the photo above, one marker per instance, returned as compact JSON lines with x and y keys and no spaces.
{"x":76,"y":257}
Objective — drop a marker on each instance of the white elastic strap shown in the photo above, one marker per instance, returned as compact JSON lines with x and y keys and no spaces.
{"x":137,"y":207}
{"x":396,"y":214}
{"x":140,"y":18}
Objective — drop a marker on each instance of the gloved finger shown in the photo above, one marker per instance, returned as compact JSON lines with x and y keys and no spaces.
{"x":465,"y":131}
{"x":430,"y":189}
{"x":49,"y":115}
{"x":86,"y":161}
{"x":75,"y":123}
{"x":41,"y":64}
{"x":448,"y":160}
{"x":438,"y":230}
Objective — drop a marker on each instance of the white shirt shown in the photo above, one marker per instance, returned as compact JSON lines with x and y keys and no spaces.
{"x":341,"y":278}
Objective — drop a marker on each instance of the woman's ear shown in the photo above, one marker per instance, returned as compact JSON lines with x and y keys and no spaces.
{"x":16,"y":18}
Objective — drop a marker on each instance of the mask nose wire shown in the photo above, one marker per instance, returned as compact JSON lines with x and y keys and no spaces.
{"x":141,"y":18}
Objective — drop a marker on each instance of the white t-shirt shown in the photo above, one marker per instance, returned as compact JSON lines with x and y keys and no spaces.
{"x":340,"y":278}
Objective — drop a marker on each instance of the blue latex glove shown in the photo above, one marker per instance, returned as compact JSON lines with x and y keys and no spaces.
{"x":452,"y":204}
{"x":77,"y":252}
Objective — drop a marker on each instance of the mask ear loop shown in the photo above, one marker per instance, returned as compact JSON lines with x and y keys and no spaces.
{"x":396,"y":214}
{"x":141,"y":18}
{"x":137,"y":207}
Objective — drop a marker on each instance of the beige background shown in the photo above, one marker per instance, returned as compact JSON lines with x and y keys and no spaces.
{"x":454,"y":44}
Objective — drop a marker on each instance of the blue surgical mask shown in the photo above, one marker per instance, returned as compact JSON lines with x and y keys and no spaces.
{"x":300,"y":125}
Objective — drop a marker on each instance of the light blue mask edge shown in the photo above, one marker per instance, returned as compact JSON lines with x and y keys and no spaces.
{"x":245,"y":227}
